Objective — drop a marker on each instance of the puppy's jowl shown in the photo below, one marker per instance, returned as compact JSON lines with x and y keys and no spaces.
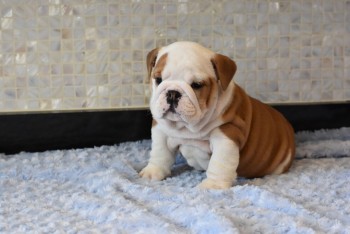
{"x":199,"y":110}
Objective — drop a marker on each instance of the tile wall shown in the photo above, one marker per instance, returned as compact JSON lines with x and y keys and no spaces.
{"x":89,"y":54}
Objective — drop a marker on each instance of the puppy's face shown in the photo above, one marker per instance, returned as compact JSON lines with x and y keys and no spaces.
{"x":185,"y":81}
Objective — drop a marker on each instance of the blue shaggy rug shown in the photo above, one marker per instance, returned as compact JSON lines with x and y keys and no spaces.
{"x":98,"y":190}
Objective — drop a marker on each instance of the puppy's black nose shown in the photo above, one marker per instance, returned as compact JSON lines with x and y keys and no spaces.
{"x":172,"y":98}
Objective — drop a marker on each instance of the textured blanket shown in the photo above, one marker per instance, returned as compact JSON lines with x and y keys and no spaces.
{"x":98,"y":190}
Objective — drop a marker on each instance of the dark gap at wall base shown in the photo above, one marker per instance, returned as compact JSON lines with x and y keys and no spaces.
{"x":55,"y":131}
{"x":316,"y":116}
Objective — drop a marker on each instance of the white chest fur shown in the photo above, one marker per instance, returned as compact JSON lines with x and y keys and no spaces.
{"x":196,"y":152}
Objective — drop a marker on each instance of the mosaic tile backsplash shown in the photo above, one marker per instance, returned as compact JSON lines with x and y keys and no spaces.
{"x":90,"y":54}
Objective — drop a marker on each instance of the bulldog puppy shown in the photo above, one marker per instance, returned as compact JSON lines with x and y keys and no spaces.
{"x":199,"y":111}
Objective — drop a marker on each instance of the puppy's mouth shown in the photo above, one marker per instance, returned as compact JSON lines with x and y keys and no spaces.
{"x":172,"y":115}
{"x":172,"y":109}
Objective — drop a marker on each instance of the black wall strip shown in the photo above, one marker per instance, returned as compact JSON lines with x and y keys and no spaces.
{"x":50,"y":131}
{"x":39,"y":132}
{"x":314,"y":117}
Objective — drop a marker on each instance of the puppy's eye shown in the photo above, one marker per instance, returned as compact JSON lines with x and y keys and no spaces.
{"x":196,"y":85}
{"x":158,"y":80}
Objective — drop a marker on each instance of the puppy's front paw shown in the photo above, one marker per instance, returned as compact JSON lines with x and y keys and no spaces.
{"x":153,"y":172}
{"x":213,"y":184}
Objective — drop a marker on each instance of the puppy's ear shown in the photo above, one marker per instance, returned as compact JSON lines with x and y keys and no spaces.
{"x":151,"y":61}
{"x":225,"y":68}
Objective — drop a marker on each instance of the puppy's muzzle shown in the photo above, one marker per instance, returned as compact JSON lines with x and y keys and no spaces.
{"x":172,"y":98}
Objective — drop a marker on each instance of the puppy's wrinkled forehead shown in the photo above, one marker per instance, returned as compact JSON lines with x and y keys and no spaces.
{"x":185,"y":60}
